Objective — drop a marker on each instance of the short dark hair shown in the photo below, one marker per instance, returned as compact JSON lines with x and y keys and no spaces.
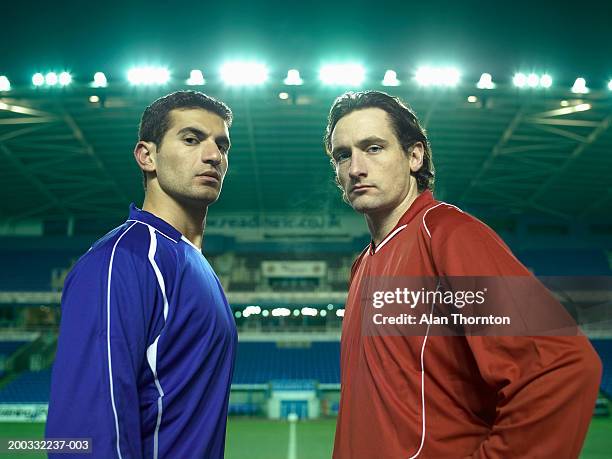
{"x":403,"y":120}
{"x":155,"y":120}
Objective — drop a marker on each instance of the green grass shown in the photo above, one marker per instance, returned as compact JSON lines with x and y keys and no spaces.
{"x":263,"y":439}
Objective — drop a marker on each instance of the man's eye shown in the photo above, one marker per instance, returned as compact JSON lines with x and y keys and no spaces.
{"x":342,"y":156}
{"x":190,"y":140}
{"x":374,"y":148}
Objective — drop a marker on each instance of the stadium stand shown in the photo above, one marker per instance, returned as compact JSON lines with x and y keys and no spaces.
{"x":262,"y":362}
{"x":28,"y":387}
{"x":604,"y":349}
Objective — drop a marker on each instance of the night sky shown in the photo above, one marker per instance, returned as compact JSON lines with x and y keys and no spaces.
{"x":566,"y":39}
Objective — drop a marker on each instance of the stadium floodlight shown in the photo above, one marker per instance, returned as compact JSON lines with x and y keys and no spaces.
{"x":64,"y":79}
{"x":265,"y":313}
{"x":281,"y":312}
{"x":94,"y":99}
{"x":390,"y":78}
{"x":485,"y":82}
{"x":38,"y":79}
{"x":293,"y":78}
{"x":340,"y":312}
{"x":244,"y":73}
{"x":99,"y":80}
{"x":472,"y":99}
{"x":330,"y":307}
{"x":580,"y":86}
{"x":519,"y":80}
{"x":238,"y":314}
{"x":306,"y":311}
{"x":51,"y":79}
{"x":349,"y":74}
{"x":144,"y":76}
{"x":610,"y":85}
{"x":251,"y":310}
{"x":546,"y":81}
{"x":437,"y":76}
{"x":283,"y":95}
{"x":322,"y":312}
{"x":196,"y":78}
{"x":296,"y":312}
{"x":5,"y":84}
{"x":533,"y":80}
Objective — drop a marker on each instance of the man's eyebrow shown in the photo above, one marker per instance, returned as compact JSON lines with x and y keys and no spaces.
{"x":193,"y":130}
{"x":371,"y":140}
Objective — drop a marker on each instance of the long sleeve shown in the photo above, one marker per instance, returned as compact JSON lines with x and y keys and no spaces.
{"x":546,"y":385}
{"x":110,"y":304}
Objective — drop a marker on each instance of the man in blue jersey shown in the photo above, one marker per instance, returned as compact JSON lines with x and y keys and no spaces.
{"x":147,"y":339}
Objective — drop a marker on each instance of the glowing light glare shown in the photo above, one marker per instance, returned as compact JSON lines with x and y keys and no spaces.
{"x":99,"y":80}
{"x":196,"y":78}
{"x":309,"y":311}
{"x":283,"y":95}
{"x":340,"y":312}
{"x":342,"y":74}
{"x":330,"y":307}
{"x":519,"y":80}
{"x":38,"y":79}
{"x":580,"y":86}
{"x":472,"y":99}
{"x":485,"y":82}
{"x":582,"y":107}
{"x":437,"y":76}
{"x":238,"y":314}
{"x":293,"y":78}
{"x":532,"y":80}
{"x":251,"y":310}
{"x":51,"y":79}
{"x":5,"y":84}
{"x":265,"y":313}
{"x":296,"y":312}
{"x":281,"y":312}
{"x":390,"y":78}
{"x":64,"y":79}
{"x":610,"y":85}
{"x":148,"y":76}
{"x":564,"y":103}
{"x":244,"y":73}
{"x":546,"y":81}
{"x":94,"y":99}
{"x":323,"y":313}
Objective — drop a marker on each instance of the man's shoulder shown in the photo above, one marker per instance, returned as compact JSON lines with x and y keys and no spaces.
{"x":442,"y":217}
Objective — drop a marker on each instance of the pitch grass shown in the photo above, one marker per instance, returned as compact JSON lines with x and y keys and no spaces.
{"x":263,"y":439}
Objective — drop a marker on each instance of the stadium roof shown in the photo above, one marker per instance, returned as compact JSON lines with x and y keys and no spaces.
{"x":509,"y":153}
{"x":513,"y":152}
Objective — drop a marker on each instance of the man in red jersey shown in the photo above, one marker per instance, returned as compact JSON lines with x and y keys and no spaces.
{"x":439,"y":396}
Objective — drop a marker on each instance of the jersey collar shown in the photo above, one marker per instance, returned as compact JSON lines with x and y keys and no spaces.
{"x":420,"y":203}
{"x":157,"y":223}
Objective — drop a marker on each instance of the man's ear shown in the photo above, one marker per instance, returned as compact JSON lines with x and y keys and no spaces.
{"x":145,"y":155}
{"x":416,"y":155}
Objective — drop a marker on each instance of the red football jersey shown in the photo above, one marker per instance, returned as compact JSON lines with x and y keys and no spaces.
{"x":462,"y":396}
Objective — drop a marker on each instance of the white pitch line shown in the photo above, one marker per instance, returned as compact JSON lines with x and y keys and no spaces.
{"x":292,"y":450}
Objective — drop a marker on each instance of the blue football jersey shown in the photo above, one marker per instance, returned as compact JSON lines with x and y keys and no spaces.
{"x":146,"y":348}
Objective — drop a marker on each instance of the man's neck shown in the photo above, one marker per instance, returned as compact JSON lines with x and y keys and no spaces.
{"x":381,"y":224}
{"x":190,"y":221}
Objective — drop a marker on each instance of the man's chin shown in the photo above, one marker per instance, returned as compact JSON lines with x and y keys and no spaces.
{"x":363,"y":206}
